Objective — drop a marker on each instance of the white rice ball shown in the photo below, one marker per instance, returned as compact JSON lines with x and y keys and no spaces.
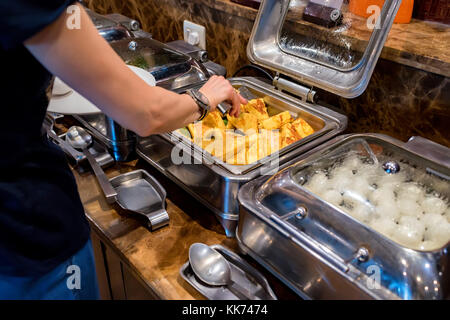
{"x":388,"y":210}
{"x":407,"y":236}
{"x":317,"y":183}
{"x":431,"y":219}
{"x":361,"y":212}
{"x":409,"y":207}
{"x":354,"y":197}
{"x":362,"y":185}
{"x":384,"y":226}
{"x":382,"y":195}
{"x":428,"y":245}
{"x":434,"y":205}
{"x":440,"y":243}
{"x":341,"y":178}
{"x":341,"y":184}
{"x":439,"y":233}
{"x":411,"y":191}
{"x":447,"y":215}
{"x":368,"y":171}
{"x":332,"y":196}
{"x":393,"y":180}
{"x":353,"y":162}
{"x":341,"y":171}
{"x":413,"y":224}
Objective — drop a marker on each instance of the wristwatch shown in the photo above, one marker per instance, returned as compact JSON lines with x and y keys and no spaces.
{"x":201,"y":100}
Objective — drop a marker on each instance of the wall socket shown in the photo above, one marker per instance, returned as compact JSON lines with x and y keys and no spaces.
{"x":194,"y":34}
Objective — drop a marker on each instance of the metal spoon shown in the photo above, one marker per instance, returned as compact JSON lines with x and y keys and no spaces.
{"x":78,"y":138}
{"x":213,"y":269}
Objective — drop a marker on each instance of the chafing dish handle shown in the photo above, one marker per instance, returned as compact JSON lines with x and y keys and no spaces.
{"x":429,"y":149}
{"x":309,"y":244}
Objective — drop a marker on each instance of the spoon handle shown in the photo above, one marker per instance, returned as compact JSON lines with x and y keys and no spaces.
{"x":108,"y":190}
{"x":239,"y":291}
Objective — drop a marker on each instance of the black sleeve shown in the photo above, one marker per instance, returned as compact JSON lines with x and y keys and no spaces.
{"x":21,"y":19}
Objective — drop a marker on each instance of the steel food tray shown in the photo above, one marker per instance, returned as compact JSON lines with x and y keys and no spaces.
{"x":321,"y":252}
{"x":215,"y":183}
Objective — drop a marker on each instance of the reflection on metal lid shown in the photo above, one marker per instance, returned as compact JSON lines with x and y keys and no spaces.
{"x":338,"y":56}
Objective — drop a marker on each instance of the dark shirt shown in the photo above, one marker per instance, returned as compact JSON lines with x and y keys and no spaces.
{"x":42,"y":221}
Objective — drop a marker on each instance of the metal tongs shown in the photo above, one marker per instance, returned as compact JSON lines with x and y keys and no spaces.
{"x":225,"y":107}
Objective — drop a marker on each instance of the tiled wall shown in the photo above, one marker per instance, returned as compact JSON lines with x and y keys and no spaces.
{"x":400,"y":101}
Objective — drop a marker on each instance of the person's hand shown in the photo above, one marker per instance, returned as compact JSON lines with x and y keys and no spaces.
{"x":218,"y":89}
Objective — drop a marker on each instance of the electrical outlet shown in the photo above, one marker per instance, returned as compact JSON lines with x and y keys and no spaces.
{"x":194,"y":34}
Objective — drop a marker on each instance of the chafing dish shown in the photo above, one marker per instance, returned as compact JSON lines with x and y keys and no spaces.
{"x":215,"y":183}
{"x":172,"y":69}
{"x":321,"y":251}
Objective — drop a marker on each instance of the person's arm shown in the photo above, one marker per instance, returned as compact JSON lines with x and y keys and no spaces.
{"x":86,"y":62}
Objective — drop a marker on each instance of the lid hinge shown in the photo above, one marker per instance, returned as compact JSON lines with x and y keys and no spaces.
{"x":305,"y":93}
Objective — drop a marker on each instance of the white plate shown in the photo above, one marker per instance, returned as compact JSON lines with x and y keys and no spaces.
{"x":65,"y":100}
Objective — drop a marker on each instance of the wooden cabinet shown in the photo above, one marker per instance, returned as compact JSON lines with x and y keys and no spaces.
{"x":116,"y":279}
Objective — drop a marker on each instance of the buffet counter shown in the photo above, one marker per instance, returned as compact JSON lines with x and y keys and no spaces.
{"x":135,"y":263}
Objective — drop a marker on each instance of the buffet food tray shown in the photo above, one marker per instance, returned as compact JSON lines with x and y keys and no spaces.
{"x":333,"y":255}
{"x":216,"y":184}
{"x":241,"y":272}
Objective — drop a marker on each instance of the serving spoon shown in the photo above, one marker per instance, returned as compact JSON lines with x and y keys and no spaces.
{"x":79,"y":138}
{"x":213,"y":269}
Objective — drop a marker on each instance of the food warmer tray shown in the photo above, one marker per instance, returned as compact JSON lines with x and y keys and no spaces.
{"x":248,"y":278}
{"x":320,"y":251}
{"x":216,"y":184}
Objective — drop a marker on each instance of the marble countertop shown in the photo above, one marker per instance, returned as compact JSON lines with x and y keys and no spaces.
{"x":419,"y":44}
{"x":158,"y":256}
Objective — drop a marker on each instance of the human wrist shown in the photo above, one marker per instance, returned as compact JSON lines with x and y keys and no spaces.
{"x":196,"y":110}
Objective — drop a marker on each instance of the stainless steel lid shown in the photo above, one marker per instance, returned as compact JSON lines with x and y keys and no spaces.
{"x":109,"y":29}
{"x":171,"y":69}
{"x":339,"y":59}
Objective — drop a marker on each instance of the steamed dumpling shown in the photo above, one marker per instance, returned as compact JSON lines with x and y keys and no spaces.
{"x":428,"y":245}
{"x":388,"y":210}
{"x":384,"y":226}
{"x":432,"y":219}
{"x":411,"y":192}
{"x":409,"y":207}
{"x":413,"y":224}
{"x":439,"y":233}
{"x":333,"y":197}
{"x":382,"y":195}
{"x":361,"y":212}
{"x":434,"y":205}
{"x":317,"y":183}
{"x":408,"y":236}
